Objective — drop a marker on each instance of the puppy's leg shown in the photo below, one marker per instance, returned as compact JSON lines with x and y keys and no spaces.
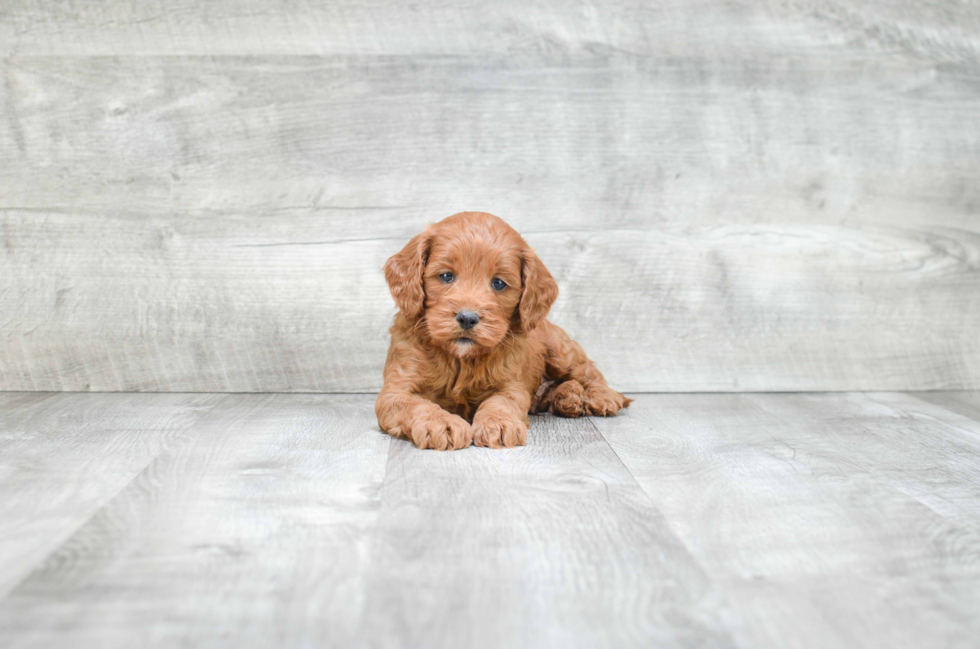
{"x":566,"y":361}
{"x":501,"y":420}
{"x":404,"y":414}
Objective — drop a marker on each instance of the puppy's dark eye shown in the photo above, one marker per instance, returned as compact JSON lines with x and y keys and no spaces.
{"x":498,"y":284}
{"x":447,"y":277}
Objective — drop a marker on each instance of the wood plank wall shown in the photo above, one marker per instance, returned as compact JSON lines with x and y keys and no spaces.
{"x":732,"y":195}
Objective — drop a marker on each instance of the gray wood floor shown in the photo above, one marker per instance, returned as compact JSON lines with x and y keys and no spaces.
{"x":752,"y":520}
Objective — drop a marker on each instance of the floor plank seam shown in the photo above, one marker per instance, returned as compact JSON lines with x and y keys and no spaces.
{"x":717,"y":594}
{"x":972,"y":435}
{"x":374,"y":542}
{"x":39,"y":566}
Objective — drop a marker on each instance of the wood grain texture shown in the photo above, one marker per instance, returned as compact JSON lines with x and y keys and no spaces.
{"x":193,"y":305}
{"x":253,"y":531}
{"x":733,"y":196}
{"x":550,"y":545}
{"x":966,"y":404}
{"x":825,"y":520}
{"x":826,"y":137}
{"x":16,"y":406}
{"x":63,"y":457}
{"x":502,"y":28}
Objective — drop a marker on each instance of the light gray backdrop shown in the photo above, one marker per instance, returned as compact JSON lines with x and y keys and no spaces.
{"x":732,"y":195}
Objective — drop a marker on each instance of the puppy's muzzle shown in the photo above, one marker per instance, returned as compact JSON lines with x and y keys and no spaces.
{"x":467,"y":319}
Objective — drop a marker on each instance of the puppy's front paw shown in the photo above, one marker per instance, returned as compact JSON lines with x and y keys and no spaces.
{"x":440,"y":431}
{"x":603,"y":401}
{"x":499,"y":431}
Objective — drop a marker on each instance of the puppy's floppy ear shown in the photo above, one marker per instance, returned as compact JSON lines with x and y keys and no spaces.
{"x":540,"y":291}
{"x":403,"y":272}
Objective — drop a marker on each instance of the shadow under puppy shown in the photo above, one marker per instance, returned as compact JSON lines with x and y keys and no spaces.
{"x":471,"y":351}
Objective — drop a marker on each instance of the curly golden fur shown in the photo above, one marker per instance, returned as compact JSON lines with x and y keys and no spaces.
{"x":471,"y":351}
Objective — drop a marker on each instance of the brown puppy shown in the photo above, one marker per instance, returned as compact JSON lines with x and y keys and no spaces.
{"x":471,"y":352}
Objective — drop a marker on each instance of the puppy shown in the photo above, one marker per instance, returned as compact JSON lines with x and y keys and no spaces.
{"x":471,"y":352}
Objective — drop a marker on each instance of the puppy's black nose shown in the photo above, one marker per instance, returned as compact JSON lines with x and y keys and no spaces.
{"x":467,"y":319}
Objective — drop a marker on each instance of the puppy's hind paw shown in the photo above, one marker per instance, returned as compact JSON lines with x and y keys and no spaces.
{"x":568,"y":399}
{"x":603,"y":401}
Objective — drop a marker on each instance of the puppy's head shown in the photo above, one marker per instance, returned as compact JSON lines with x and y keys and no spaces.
{"x":471,"y":279}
